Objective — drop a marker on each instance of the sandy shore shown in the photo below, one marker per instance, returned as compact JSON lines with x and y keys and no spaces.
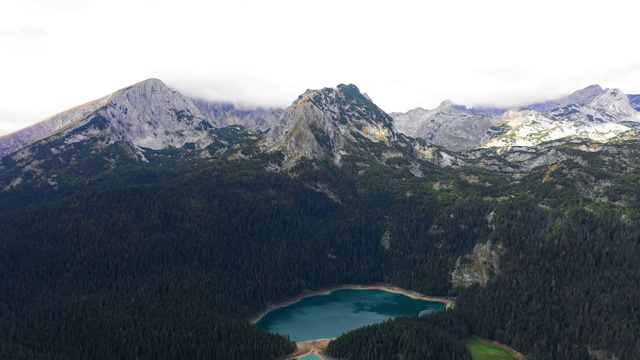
{"x":385,"y":287}
{"x":306,"y":347}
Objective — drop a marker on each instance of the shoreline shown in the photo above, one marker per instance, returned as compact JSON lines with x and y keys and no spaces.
{"x":449,"y":303}
{"x":305,"y":348}
{"x":317,"y":346}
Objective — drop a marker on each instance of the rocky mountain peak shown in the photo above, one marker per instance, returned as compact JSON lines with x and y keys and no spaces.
{"x":447,"y":104}
{"x":150,"y":115}
{"x":321,"y":122}
{"x":147,"y":115}
{"x":591,"y":113}
{"x":579,"y":97}
{"x":614,"y":102}
{"x":452,"y":126}
{"x":607,"y":115}
{"x":584,"y":96}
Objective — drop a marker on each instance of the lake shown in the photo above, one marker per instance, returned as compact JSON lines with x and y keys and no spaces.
{"x":328,"y":316}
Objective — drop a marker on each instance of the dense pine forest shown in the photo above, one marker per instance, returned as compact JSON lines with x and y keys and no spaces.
{"x":170,"y":259}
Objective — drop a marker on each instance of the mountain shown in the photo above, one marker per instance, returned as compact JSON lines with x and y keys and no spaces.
{"x":88,"y":143}
{"x":591,"y":113}
{"x":226,"y":114}
{"x":146,"y":115}
{"x":13,"y":142}
{"x":343,"y":126}
{"x":143,"y":116}
{"x":452,"y":126}
{"x":614,"y":104}
{"x":605,"y":117}
{"x":579,"y":97}
{"x":328,"y":123}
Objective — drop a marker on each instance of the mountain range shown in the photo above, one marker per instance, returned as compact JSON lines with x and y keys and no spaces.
{"x":590,"y":113}
{"x":331,"y":123}
{"x":161,"y":118}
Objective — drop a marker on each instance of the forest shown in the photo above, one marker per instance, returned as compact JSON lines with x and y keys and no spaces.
{"x":170,"y":262}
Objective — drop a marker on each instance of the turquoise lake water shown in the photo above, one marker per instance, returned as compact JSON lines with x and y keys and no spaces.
{"x":328,"y":316}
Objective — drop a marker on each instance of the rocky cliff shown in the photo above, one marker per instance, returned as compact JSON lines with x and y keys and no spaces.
{"x":321,"y":123}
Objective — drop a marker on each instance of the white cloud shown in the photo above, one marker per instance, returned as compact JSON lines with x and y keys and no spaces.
{"x":233,"y":86}
{"x":404,"y":54}
{"x":25,"y":32}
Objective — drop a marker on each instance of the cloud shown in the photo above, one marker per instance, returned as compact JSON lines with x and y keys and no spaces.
{"x":624,"y":77}
{"x":241,"y":87}
{"x":24,"y":33}
{"x":507,"y":72}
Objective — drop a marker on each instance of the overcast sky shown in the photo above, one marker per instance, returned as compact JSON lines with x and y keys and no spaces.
{"x":58,"y":54}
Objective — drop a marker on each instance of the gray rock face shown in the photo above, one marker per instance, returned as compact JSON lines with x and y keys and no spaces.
{"x":479,"y":266}
{"x":614,"y":103}
{"x":320,"y":123}
{"x":590,"y":113}
{"x":151,"y":115}
{"x":338,"y":123}
{"x":11,"y":143}
{"x":225,"y":114}
{"x":448,"y":125}
{"x":634,"y":101}
{"x":147,"y":115}
{"x":580,"y":97}
{"x":606,"y":116}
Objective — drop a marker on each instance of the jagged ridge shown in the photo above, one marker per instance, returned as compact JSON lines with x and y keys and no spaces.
{"x":590,"y":113}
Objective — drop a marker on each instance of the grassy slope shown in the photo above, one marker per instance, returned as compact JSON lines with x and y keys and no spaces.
{"x":482,"y":349}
